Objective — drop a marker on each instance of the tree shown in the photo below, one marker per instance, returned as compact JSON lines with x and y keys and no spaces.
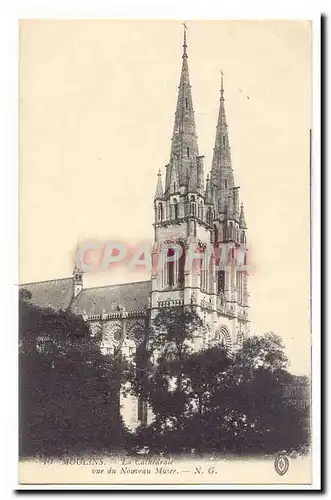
{"x":208,"y":401}
{"x":160,"y":380}
{"x":247,"y":412}
{"x":68,"y":389}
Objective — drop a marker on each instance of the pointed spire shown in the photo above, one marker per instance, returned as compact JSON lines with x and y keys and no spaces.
{"x":159,"y":187}
{"x":184,"y":139}
{"x":221,"y":172}
{"x":242,"y":220}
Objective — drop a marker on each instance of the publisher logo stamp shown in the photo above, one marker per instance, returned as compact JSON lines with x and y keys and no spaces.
{"x":281,"y":464}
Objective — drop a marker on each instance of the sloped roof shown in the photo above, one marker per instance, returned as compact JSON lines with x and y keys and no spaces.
{"x":131,"y":296}
{"x":55,"y":294}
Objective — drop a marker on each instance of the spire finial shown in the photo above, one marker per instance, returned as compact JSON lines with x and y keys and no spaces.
{"x":222,"y":87}
{"x":185,"y":46}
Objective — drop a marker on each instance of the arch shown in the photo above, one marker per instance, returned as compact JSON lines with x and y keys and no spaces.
{"x":181,"y":266}
{"x":230,"y":231}
{"x":209,"y":216}
{"x":200,"y":209}
{"x":171,"y":268}
{"x":223,"y":337}
{"x":243,"y":238}
{"x":160,"y":212}
{"x":175,"y":209}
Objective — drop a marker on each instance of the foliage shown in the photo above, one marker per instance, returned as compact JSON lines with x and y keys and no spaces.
{"x":68,"y":389}
{"x":208,"y":401}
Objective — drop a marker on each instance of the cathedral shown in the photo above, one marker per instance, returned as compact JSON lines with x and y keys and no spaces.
{"x":189,"y":210}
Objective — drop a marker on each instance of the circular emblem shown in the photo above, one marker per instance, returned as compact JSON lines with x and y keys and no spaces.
{"x":281,"y":464}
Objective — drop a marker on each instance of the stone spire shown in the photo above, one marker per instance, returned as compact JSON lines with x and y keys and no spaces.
{"x":221,"y":171}
{"x":159,"y":187}
{"x":184,"y":144}
{"x":242,"y":220}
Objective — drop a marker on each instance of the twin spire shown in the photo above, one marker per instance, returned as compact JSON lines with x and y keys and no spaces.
{"x":185,"y":168}
{"x":184,"y":145}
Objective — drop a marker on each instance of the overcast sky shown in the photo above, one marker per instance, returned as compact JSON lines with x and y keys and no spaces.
{"x":97,"y":104}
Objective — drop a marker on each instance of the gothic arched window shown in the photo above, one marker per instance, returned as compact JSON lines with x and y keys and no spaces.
{"x":230,"y":231}
{"x":243,"y":238}
{"x":200,"y":210}
{"x":209,"y":215}
{"x":171,"y":268}
{"x":160,"y":212}
{"x":239,"y":285}
{"x":175,"y":209}
{"x":181,"y":267}
{"x":193,"y":206}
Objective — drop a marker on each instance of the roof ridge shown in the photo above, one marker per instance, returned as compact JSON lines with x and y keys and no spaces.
{"x":115,"y":284}
{"x":44,"y":281}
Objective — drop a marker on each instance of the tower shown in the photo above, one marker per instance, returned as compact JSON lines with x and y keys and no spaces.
{"x":230,"y":235}
{"x":194,"y":222}
{"x":77,"y":276}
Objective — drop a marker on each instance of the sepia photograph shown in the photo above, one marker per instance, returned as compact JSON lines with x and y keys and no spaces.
{"x":165,"y":252}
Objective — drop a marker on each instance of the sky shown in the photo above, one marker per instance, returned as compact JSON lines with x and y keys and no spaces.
{"x":97,"y":104}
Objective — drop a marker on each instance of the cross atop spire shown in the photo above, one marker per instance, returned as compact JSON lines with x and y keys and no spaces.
{"x":222,"y":87}
{"x":184,"y":46}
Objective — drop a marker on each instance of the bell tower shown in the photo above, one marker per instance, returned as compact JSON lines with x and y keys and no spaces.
{"x":182,"y":230}
{"x":195,"y":220}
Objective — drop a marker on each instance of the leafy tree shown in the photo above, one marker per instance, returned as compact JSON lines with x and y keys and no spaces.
{"x":68,"y":389}
{"x":208,"y":401}
{"x":160,"y":380}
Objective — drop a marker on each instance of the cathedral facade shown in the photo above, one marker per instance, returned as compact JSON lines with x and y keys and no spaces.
{"x":190,"y":212}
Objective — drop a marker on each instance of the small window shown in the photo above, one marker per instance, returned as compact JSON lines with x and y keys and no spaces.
{"x":160,"y":212}
{"x":186,"y":102}
{"x":174,"y":187}
{"x":224,"y":140}
{"x":225,"y":184}
{"x":188,"y":151}
{"x":209,"y":215}
{"x":175,"y":209}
